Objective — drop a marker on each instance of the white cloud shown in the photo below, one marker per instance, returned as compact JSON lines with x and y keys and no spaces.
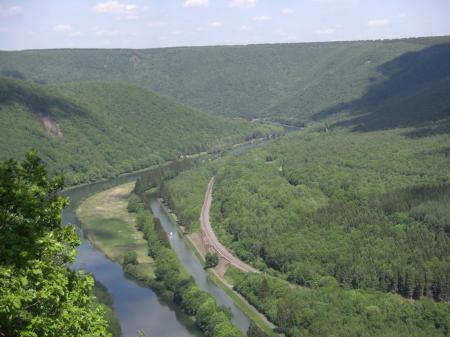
{"x":287,"y":11}
{"x":215,"y":24}
{"x":244,"y":28}
{"x":402,"y":15}
{"x":325,"y":31}
{"x":63,"y":28}
{"x":261,"y":18}
{"x":378,"y":22}
{"x":196,"y":3}
{"x":243,"y":3}
{"x":121,"y":11}
{"x":10,"y":11}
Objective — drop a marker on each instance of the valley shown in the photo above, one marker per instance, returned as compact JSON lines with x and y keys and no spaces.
{"x":289,"y":190}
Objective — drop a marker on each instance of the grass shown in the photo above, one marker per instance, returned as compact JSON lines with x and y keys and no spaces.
{"x":110,"y":228}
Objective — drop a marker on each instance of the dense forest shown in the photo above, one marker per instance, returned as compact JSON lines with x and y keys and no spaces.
{"x":91,"y":131}
{"x":364,"y":211}
{"x":348,"y":219}
{"x":369,"y":209}
{"x":328,"y":310}
{"x":287,"y":82}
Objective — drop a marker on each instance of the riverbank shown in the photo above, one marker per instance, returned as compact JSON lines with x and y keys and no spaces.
{"x":217,"y":276}
{"x":112,"y":229}
{"x":107,"y":224}
{"x":275,"y":130}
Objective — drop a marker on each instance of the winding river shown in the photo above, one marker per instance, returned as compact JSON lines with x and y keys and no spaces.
{"x":139,"y":307}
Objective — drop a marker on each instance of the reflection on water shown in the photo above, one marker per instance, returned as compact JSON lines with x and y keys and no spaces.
{"x":193,"y":266}
{"x":137,"y":307}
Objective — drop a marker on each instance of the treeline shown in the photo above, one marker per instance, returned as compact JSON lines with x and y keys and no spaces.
{"x":154,"y":178}
{"x":369,"y":210}
{"x":304,"y":79}
{"x":160,"y":178}
{"x":134,"y":128}
{"x":212,"y":319}
{"x":329,"y":310}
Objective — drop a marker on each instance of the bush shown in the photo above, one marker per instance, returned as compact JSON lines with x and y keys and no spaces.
{"x":211,"y":260}
{"x":130,"y":258}
{"x":135,"y":204}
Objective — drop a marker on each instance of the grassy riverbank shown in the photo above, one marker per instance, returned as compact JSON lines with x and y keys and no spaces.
{"x":110,"y":228}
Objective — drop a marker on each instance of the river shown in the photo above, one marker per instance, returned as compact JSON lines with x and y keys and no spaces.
{"x":139,"y":307}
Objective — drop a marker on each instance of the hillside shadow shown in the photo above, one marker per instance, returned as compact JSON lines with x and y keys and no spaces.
{"x":427,"y":203}
{"x":415,"y":92}
{"x":36,"y":100}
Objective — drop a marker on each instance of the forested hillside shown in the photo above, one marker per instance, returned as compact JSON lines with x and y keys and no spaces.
{"x":349,"y":217}
{"x":287,"y":82}
{"x":371,"y":209}
{"x":92,"y":130}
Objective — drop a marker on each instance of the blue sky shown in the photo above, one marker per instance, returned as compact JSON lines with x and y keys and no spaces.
{"x":31,"y":24}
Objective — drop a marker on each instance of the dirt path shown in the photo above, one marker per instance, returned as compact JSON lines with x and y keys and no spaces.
{"x":210,"y":237}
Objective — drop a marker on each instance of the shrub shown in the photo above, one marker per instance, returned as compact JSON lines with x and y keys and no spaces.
{"x":130,"y":258}
{"x":211,"y":260}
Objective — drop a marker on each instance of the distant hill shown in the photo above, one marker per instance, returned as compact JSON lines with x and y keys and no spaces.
{"x":287,"y":82}
{"x":94,"y":130}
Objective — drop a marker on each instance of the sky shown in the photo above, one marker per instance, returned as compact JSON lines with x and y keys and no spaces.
{"x":37,"y":24}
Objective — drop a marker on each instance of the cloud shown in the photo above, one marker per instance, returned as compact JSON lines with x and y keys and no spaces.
{"x":243,"y":3}
{"x":244,"y":28}
{"x":378,"y":22}
{"x":67,"y":29}
{"x":325,"y":31}
{"x":10,"y":11}
{"x":216,"y":24}
{"x":196,"y":3}
{"x":286,"y":11}
{"x":121,"y":11}
{"x":63,"y":28}
{"x":261,"y":18}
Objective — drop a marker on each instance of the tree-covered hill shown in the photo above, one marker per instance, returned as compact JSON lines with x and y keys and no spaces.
{"x":414,"y":90}
{"x":369,"y":209}
{"x":94,"y":130}
{"x":288,"y":82}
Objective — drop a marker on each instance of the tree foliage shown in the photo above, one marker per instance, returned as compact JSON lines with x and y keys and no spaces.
{"x":39,"y":295}
{"x":332,"y":311}
{"x":130,"y":258}
{"x":98,"y":130}
{"x":287,"y":82}
{"x":211,"y":260}
{"x":351,"y":217}
{"x":213,"y":320}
